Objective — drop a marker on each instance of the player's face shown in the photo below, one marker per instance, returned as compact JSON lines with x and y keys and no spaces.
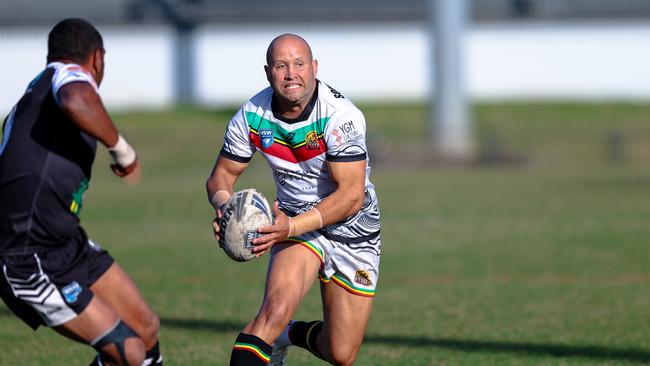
{"x":292,"y":72}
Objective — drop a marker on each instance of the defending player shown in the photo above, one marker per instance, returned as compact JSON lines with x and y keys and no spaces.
{"x":52,"y":274}
{"x":327,"y":216}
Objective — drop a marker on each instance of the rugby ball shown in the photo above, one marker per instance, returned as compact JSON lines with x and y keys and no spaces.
{"x":242,"y":215}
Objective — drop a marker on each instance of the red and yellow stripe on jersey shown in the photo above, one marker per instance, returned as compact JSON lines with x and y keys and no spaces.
{"x":293,"y":146}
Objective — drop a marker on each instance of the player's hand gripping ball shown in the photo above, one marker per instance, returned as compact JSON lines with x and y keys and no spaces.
{"x":242,"y":215}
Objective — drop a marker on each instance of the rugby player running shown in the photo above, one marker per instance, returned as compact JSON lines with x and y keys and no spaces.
{"x":326,"y":212}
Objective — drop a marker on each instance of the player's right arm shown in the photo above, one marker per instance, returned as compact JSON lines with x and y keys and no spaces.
{"x":236,"y":153}
{"x":81,"y":103}
{"x":220,"y":185}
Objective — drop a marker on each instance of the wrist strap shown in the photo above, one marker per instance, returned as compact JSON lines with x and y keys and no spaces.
{"x":219,"y":199}
{"x":122,"y":152}
{"x":305,"y":222}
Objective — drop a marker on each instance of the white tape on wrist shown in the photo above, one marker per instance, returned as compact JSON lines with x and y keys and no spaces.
{"x":305,"y":222}
{"x":219,"y":199}
{"x":122,"y":152}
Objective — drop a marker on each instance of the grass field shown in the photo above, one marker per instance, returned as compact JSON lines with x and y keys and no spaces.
{"x":541,"y":261}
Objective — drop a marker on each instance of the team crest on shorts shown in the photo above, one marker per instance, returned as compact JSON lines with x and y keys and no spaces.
{"x":362,"y":277}
{"x":71,"y":292}
{"x":266,"y":137}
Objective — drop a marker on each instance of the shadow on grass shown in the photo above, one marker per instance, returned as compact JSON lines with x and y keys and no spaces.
{"x":204,"y":325}
{"x":535,"y":349}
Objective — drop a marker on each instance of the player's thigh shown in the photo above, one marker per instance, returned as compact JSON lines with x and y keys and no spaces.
{"x":95,"y":320}
{"x":346,"y":316}
{"x":292,"y":271}
{"x":118,"y":291}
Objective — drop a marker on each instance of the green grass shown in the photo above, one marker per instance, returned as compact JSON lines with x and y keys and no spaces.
{"x":544,"y":262}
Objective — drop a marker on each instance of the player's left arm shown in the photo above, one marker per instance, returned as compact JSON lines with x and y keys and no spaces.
{"x":81,"y":103}
{"x":347,"y":199}
{"x":344,"y":202}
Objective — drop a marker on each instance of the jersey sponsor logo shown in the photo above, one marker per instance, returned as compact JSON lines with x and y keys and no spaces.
{"x":338,"y":137}
{"x":346,"y":133}
{"x":311,"y":140}
{"x":283,"y":175}
{"x":362,"y":277}
{"x":71,"y":292}
{"x":335,"y":92}
{"x":266,"y":137}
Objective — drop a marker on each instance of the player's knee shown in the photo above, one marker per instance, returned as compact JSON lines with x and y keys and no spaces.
{"x":277,"y":314}
{"x":150,"y":328}
{"x":147,"y":325}
{"x":121,"y":346}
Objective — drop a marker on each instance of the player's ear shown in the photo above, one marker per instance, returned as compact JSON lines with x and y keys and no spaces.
{"x":314,"y":64}
{"x":97,"y":64}
{"x":267,"y":71}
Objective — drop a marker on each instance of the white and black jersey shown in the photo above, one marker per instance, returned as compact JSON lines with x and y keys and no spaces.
{"x":331,"y":128}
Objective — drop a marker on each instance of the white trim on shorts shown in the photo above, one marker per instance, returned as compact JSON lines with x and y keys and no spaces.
{"x":42,"y":295}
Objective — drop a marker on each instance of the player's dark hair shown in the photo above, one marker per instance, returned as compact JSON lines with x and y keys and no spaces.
{"x":73,"y":39}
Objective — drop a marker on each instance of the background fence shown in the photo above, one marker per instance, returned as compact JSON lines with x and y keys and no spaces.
{"x":211,"y":52}
{"x":137,"y":12}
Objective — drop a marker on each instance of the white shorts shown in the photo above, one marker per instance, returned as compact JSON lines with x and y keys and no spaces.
{"x":353,"y":266}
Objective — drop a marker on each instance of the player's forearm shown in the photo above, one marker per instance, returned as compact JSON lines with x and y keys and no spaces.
{"x":218,"y":190}
{"x":220,"y":185}
{"x":341,"y":204}
{"x":334,"y":208}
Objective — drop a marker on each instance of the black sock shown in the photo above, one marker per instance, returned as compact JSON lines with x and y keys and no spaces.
{"x":305,"y":334}
{"x":250,"y":350}
{"x":154,"y":355}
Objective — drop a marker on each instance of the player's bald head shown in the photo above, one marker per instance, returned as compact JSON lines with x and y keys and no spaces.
{"x":290,"y":41}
